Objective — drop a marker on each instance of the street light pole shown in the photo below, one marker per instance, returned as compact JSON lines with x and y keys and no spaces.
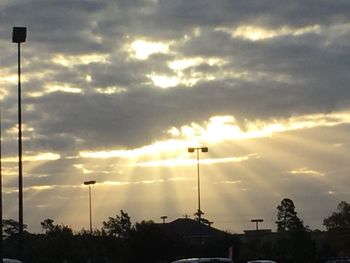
{"x":163,"y":218}
{"x":89,"y":183}
{"x":19,"y":35}
{"x":257,"y":221}
{"x":1,"y":217}
{"x":204,"y":150}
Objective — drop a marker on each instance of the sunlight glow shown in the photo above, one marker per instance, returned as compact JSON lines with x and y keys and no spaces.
{"x":63,"y":88}
{"x":229,"y":182}
{"x":306,"y":172}
{"x":9,"y":78}
{"x":187,"y":78}
{"x":142,"y":49}
{"x":14,"y":129}
{"x":154,"y":148}
{"x":191,"y":162}
{"x":118,"y":183}
{"x":70,"y":61}
{"x":35,"y":158}
{"x":219,"y":129}
{"x":164,"y":81}
{"x":110,"y":90}
{"x":42,"y":187}
{"x":254,"y":33}
{"x":181,"y":64}
{"x":114,"y":183}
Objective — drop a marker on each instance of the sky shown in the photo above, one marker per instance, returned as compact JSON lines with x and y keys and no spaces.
{"x":116,"y":92}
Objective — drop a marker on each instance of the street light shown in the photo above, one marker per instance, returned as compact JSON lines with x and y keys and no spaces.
{"x":89,"y":183}
{"x":257,"y":221}
{"x":1,"y":217}
{"x":163,"y":218}
{"x":204,"y":150}
{"x":19,"y":35}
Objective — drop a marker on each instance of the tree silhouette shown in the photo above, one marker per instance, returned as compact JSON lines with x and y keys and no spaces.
{"x":50,"y":229}
{"x":47,"y":225}
{"x":118,"y":226}
{"x":287,"y":219}
{"x":339,"y":220}
{"x":10,"y":228}
{"x":294,"y":242}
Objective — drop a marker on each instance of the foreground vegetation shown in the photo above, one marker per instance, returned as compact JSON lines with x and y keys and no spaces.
{"x":121,"y":241}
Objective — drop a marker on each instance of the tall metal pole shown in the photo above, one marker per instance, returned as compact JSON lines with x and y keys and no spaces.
{"x":89,"y":183}
{"x":0,"y":191}
{"x":199,"y":189}
{"x":199,"y":206}
{"x":19,"y":35}
{"x":191,"y":150}
{"x":90,"y":209}
{"x":20,"y":169}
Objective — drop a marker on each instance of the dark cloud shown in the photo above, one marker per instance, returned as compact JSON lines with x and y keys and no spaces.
{"x":141,"y":113}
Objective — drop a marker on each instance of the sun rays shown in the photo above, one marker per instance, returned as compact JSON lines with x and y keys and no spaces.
{"x":164,"y":171}
{"x":246,"y":162}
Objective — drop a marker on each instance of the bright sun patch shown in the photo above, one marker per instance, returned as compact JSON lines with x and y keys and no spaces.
{"x":181,"y":64}
{"x":164,"y":81}
{"x":141,"y":49}
{"x":182,"y":77}
{"x":62,"y":88}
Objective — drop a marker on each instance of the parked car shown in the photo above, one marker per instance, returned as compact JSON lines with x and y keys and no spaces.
{"x":262,"y":261}
{"x":197,"y":260}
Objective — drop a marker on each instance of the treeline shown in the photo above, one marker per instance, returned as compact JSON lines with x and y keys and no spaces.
{"x":295,"y":242}
{"x":119,"y":240}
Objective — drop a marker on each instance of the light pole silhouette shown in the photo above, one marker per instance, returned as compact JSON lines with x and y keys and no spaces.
{"x":257,"y":221}
{"x":19,"y":35}
{"x":204,"y":150}
{"x":163,"y":218}
{"x":1,"y":217}
{"x":89,"y":183}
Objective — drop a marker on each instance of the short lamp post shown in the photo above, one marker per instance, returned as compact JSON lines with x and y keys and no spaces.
{"x":89,"y":183}
{"x":19,"y":35}
{"x":257,"y":221}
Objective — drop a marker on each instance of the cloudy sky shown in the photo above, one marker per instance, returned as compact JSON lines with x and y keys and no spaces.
{"x":116,"y":91}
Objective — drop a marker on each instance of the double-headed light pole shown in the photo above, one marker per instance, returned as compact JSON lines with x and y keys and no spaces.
{"x":19,"y":35}
{"x":89,"y":183}
{"x":197,"y":150}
